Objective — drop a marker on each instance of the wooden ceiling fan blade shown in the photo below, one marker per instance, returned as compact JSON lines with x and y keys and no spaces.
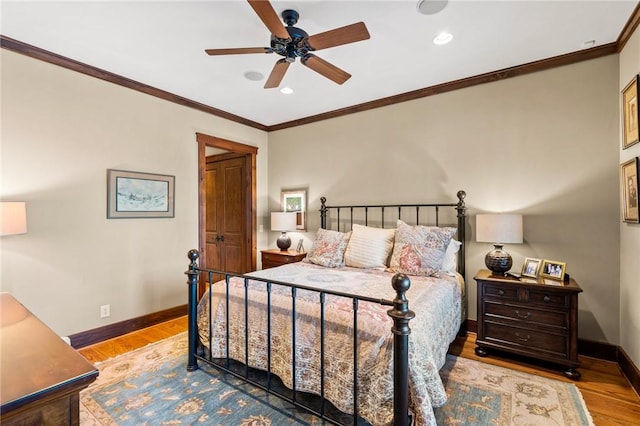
{"x":238,"y":51}
{"x":277,"y":74}
{"x":270,"y":18}
{"x":328,"y":70}
{"x":339,"y":36}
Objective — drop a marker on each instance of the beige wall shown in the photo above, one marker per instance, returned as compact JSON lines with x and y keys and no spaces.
{"x":630,"y":233}
{"x":544,"y":145}
{"x":61,"y":131}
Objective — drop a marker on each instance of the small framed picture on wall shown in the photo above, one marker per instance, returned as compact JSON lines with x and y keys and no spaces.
{"x":629,"y":190}
{"x":630,"y":113}
{"x":296,"y":201}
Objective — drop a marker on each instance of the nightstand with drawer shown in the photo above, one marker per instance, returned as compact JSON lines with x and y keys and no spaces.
{"x":529,"y":317}
{"x":276,"y":257}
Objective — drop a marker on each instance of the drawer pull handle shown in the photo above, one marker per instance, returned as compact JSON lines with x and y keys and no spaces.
{"x":500,"y":292}
{"x":525,"y":316}
{"x":546,"y":298}
{"x":524,"y":339}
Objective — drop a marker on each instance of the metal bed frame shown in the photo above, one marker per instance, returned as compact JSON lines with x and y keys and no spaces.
{"x":399,"y":312}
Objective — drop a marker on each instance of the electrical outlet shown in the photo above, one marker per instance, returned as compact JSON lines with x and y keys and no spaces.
{"x":105,"y":311}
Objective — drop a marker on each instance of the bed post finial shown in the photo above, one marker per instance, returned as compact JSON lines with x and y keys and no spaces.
{"x":193,"y":256}
{"x":192,"y":282}
{"x":461,"y":196}
{"x":323,"y":212}
{"x":401,"y":316}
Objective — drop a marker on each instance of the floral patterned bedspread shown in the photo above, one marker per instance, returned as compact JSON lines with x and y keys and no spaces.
{"x":435,"y":301}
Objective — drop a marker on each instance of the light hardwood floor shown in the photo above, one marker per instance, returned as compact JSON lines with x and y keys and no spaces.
{"x":609,"y":396}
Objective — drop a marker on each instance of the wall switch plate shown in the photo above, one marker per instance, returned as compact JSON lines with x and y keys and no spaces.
{"x":105,"y":311}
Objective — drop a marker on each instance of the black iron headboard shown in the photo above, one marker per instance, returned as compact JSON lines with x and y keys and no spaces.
{"x":376,"y":214}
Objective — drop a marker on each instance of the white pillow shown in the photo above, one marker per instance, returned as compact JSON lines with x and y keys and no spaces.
{"x":450,"y":262}
{"x":369,"y":247}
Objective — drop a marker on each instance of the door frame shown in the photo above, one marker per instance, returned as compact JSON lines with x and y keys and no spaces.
{"x":250,"y":153}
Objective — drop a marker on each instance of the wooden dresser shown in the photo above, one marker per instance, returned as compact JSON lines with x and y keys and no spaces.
{"x":42,"y":376}
{"x":276,"y":257}
{"x":529,"y":317}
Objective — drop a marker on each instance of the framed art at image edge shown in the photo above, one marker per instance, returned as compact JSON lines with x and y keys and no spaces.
{"x":629,"y":190}
{"x":630,"y":113}
{"x":133,"y":195}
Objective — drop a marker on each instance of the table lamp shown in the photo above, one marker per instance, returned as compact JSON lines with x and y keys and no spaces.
{"x":499,"y":229}
{"x":283,"y":222}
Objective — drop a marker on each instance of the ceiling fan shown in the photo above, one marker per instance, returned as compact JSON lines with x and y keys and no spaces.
{"x":291,"y":42}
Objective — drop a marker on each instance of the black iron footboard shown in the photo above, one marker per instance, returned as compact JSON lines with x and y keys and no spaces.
{"x":399,"y":312}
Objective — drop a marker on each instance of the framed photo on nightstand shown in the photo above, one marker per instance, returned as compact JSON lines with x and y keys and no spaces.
{"x":553,"y":270}
{"x":531,"y":267}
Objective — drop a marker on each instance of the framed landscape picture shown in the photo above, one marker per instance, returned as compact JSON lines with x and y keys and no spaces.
{"x":139,"y":195}
{"x":629,"y":190}
{"x":630,"y":114}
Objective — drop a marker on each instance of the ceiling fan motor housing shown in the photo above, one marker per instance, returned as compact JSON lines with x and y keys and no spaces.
{"x":297,"y":46}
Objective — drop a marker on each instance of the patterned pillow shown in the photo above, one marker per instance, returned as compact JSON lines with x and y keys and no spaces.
{"x":328,"y":248}
{"x":369,"y":247}
{"x":420,"y":250}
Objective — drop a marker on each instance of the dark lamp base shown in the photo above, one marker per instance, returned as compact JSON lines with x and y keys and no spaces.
{"x":498,"y":261}
{"x":284,"y":242}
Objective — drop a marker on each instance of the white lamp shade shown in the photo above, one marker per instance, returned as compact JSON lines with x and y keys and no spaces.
{"x":13,"y":216}
{"x":499,"y":228}
{"x":283,"y":221}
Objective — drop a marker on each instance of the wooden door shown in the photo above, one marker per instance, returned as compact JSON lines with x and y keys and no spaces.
{"x":226,"y":189}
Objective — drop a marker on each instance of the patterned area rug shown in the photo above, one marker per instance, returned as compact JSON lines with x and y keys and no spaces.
{"x":484,"y":394}
{"x":151,"y":386}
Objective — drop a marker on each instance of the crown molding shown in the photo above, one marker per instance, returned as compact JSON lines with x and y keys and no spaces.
{"x":71,"y":64}
{"x":629,"y":28}
{"x":489,"y":77}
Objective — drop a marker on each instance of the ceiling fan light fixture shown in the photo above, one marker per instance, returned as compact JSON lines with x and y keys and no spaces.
{"x":431,"y":7}
{"x":442,"y":38}
{"x":286,"y":90}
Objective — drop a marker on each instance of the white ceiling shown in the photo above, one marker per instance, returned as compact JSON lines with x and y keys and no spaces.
{"x":162,"y":44}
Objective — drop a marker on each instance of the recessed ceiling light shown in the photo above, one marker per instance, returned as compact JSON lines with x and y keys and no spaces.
{"x":431,"y":7}
{"x":442,"y":38}
{"x":286,"y":90}
{"x":253,"y":75}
